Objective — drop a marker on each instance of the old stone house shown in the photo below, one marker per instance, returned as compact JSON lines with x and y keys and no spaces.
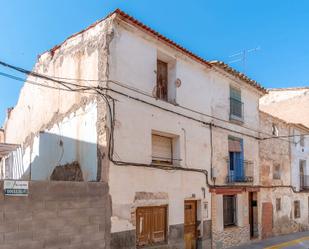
{"x":188,"y":158}
{"x":283,"y":195}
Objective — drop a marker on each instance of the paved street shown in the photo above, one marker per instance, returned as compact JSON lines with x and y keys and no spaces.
{"x":291,"y":241}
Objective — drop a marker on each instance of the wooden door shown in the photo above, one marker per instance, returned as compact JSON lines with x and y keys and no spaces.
{"x":143,"y":225}
{"x":151,"y":223}
{"x":162,"y":80}
{"x":190,"y":225}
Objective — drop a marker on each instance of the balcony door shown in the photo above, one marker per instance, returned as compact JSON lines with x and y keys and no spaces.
{"x":302,"y":165}
{"x":236,"y":160}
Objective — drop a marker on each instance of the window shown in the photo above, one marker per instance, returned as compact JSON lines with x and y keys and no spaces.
{"x":162,"y":149}
{"x":229,"y":210}
{"x":276,"y":171}
{"x":278,"y":204}
{"x":151,"y":225}
{"x":236,"y":160}
{"x":236,"y":106}
{"x":296,"y":209}
{"x":302,"y":176}
{"x":274,"y":130}
{"x":162,"y":80}
{"x":302,"y":140}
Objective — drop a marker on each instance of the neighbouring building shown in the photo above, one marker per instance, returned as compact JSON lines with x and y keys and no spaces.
{"x":284,"y":197}
{"x":176,"y":138}
{"x":290,"y":104}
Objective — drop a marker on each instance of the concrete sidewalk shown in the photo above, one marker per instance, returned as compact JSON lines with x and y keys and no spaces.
{"x":277,"y":242}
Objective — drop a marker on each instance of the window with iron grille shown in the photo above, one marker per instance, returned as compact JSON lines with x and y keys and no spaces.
{"x":276,"y":171}
{"x":229,"y":210}
{"x":236,"y":105}
{"x":151,"y":225}
{"x":296,"y":209}
{"x":278,"y":204}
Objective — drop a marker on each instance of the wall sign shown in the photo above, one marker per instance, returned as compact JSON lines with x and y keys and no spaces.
{"x":16,"y":188}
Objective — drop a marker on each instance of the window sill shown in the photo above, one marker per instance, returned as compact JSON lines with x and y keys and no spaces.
{"x":230,"y":227}
{"x":235,"y":119}
{"x":154,"y":245}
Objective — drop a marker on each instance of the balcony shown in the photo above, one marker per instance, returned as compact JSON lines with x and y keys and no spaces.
{"x":236,"y":110}
{"x":240,"y":175}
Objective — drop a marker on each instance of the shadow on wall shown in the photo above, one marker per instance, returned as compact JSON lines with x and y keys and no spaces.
{"x":55,"y":157}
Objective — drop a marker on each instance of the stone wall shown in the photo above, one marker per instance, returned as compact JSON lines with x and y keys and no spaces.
{"x":70,"y":215}
{"x":231,"y":236}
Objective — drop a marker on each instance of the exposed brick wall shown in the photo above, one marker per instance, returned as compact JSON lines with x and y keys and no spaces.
{"x":267,"y":219}
{"x":70,"y":215}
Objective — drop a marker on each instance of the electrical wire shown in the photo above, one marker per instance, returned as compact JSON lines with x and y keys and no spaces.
{"x":111,"y":111}
{"x":81,"y":87}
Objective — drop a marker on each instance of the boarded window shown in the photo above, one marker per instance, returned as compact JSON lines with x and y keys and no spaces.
{"x":278,"y":204}
{"x":229,"y":210}
{"x":162,"y":149}
{"x":296,"y":209}
{"x":162,"y":80}
{"x":151,"y":224}
{"x":276,"y":171}
{"x":236,"y":106}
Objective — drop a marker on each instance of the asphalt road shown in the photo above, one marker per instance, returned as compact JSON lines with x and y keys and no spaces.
{"x":291,"y":241}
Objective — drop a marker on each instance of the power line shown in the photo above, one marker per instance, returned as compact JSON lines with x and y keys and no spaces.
{"x":85,"y":88}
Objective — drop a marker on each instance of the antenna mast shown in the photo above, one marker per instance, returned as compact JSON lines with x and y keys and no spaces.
{"x":242,"y":56}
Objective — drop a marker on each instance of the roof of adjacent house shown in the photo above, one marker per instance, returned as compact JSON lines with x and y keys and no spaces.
{"x":131,"y":20}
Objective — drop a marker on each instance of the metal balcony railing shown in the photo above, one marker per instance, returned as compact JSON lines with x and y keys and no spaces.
{"x":236,"y":109}
{"x":240,"y":174}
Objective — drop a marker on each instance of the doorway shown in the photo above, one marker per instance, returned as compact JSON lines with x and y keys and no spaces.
{"x":253,"y":213}
{"x":190,"y":226}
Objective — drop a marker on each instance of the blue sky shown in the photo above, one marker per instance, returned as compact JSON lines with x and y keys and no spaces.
{"x":212,"y":29}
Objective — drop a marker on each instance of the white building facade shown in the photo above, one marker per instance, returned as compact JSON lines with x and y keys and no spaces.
{"x":176,"y":137}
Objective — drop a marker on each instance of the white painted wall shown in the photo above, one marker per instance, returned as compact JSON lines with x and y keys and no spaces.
{"x":298,"y":153}
{"x":133,"y":63}
{"x":72,"y":139}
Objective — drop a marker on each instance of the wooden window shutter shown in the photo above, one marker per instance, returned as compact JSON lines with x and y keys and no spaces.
{"x":159,"y":224}
{"x":161,"y":149}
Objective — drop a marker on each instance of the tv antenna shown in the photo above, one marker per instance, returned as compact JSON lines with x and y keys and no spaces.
{"x":242,"y":56}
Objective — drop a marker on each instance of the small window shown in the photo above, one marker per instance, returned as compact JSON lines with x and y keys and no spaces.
{"x":229,"y":210}
{"x":274,"y":130}
{"x":151,"y":225}
{"x":236,"y":106}
{"x":162,"y":149}
{"x":278,"y":204}
{"x":162,"y":80}
{"x":296,"y":209}
{"x":302,"y":140}
{"x":276,"y":171}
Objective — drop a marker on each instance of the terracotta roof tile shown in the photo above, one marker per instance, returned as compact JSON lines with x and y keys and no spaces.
{"x":239,"y":75}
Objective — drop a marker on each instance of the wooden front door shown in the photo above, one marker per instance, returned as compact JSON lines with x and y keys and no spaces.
{"x":190,"y":224}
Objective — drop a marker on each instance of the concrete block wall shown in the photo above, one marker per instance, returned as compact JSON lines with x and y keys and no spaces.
{"x":56,"y":215}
